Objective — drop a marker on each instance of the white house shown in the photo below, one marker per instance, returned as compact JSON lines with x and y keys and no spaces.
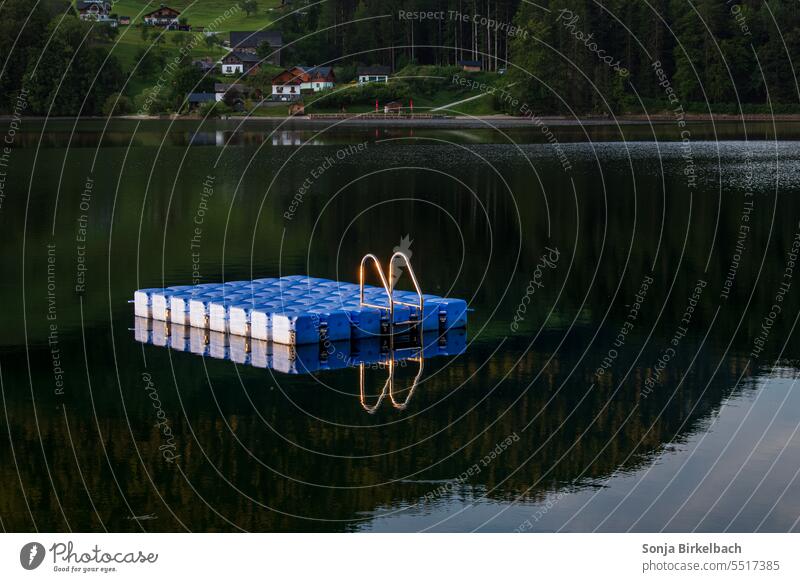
{"x":374,"y":74}
{"x":291,"y":83}
{"x":222,"y":89}
{"x":237,"y":63}
{"x":250,"y":41}
{"x":164,"y":16}
{"x":97,"y":10}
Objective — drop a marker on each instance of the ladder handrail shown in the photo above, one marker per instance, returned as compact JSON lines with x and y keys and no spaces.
{"x":402,"y":405}
{"x":420,"y":359}
{"x":377,"y":263}
{"x":407,"y":261}
{"x":362,"y":393}
{"x":390,"y":385}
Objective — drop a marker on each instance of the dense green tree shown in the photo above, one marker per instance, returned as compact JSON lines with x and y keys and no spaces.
{"x":180,"y":38}
{"x":214,"y":109}
{"x":387,"y":32}
{"x":778,"y":22}
{"x":117,"y":104}
{"x":535,"y":70}
{"x":711,"y":53}
{"x":264,"y":50}
{"x":73,"y":76}
{"x":699,"y":73}
{"x":148,"y":62}
{"x":250,"y":6}
{"x":20,"y":44}
{"x":188,"y":79}
{"x":152,"y":101}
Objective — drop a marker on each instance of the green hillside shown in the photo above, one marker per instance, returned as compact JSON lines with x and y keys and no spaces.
{"x":203,"y":12}
{"x":129,"y":42}
{"x":428,"y":86}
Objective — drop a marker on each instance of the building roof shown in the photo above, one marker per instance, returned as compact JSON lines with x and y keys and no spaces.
{"x":225,"y":87}
{"x":373,"y":70}
{"x":201,"y":97}
{"x":89,"y":4}
{"x":252,"y":39}
{"x":159,"y":9}
{"x":244,"y":57}
{"x":322,"y":71}
{"x":306,"y":74}
{"x":465,"y":63}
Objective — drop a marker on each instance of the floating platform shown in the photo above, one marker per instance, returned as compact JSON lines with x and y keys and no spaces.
{"x":299,"y":359}
{"x":301,"y":310}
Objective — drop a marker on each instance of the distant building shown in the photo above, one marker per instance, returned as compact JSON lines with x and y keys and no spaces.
{"x":124,"y":20}
{"x":205,"y":65}
{"x":470,"y":66}
{"x":222,"y":89}
{"x":97,"y":10}
{"x":164,"y":17}
{"x":239,"y":63}
{"x":249,"y":41}
{"x":291,"y":83}
{"x":197,"y":99}
{"x":393,"y":107}
{"x":373,"y":74}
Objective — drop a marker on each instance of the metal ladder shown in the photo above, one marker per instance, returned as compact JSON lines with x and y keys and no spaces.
{"x":388,"y":386}
{"x":390,"y":289}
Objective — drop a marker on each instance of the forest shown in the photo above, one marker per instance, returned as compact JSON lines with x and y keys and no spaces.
{"x":556,"y":56}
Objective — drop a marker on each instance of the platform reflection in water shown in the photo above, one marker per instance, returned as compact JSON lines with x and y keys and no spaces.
{"x":302,"y":359}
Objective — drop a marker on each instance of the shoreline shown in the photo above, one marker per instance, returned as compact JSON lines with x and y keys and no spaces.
{"x":456,"y":122}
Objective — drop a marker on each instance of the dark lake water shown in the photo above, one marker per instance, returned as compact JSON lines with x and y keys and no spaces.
{"x":631,"y":360}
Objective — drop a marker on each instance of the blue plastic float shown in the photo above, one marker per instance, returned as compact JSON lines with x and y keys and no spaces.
{"x":300,"y":310}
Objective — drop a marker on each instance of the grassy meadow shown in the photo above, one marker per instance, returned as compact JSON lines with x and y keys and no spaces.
{"x":203,"y":12}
